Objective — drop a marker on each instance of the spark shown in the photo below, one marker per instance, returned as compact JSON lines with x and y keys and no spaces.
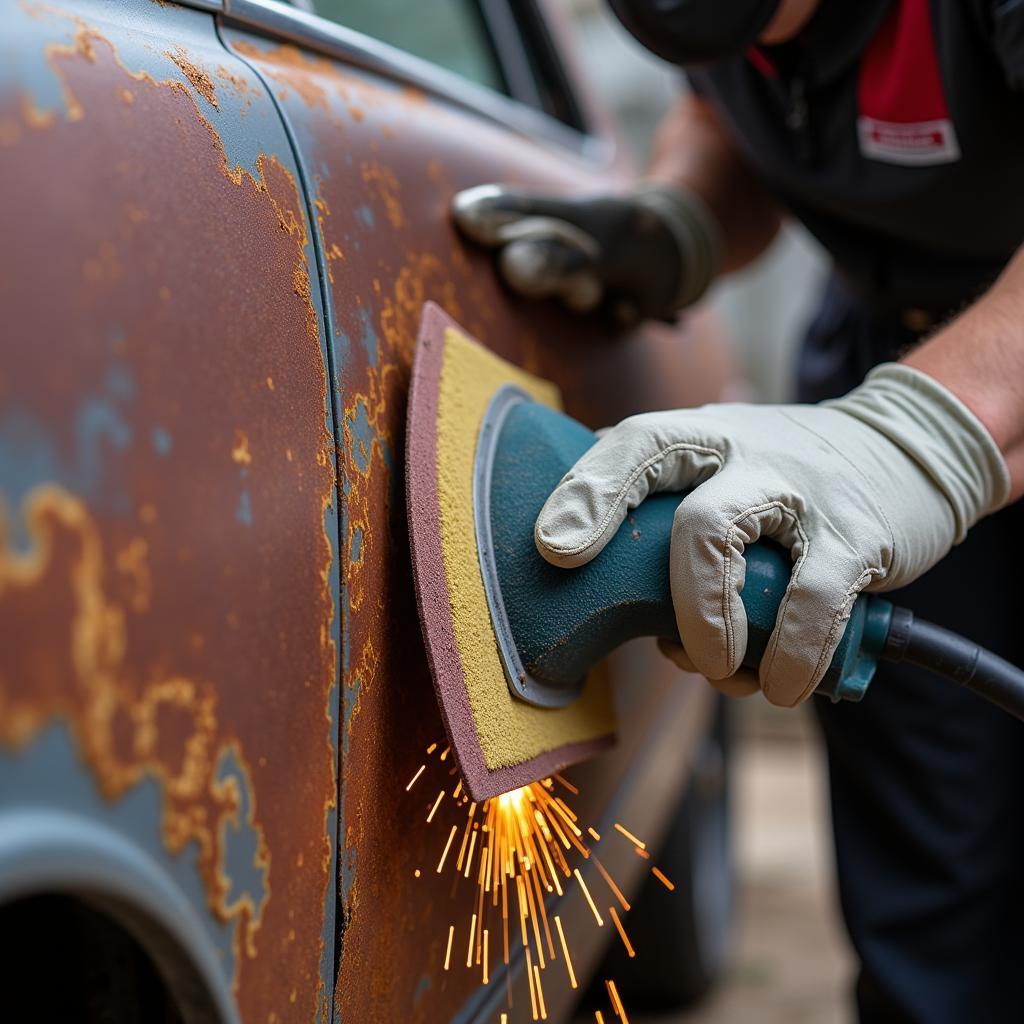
{"x":613,"y":993}
{"x":472,"y":932}
{"x":437,"y":803}
{"x":664,"y":881}
{"x":565,"y":952}
{"x":517,"y":852}
{"x":540,"y":993}
{"x":590,"y":899}
{"x":599,"y":1017}
{"x":622,"y":933}
{"x":412,"y":781}
{"x":632,"y":838}
{"x":529,"y":977}
{"x":623,"y":902}
{"x":447,"y":847}
{"x":448,"y":952}
{"x":568,"y":785}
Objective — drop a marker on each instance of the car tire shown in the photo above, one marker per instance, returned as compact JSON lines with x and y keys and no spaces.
{"x":683,"y":938}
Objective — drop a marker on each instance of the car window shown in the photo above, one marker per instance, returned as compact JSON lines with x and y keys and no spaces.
{"x":451,"y":33}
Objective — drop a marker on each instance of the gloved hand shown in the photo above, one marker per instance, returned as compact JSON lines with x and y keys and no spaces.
{"x":649,"y":253}
{"x":867,"y":492}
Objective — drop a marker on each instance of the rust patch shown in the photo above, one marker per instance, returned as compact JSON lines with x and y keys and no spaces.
{"x":197,"y":76}
{"x":168,"y":635}
{"x":384,"y":184}
{"x":289,"y":65}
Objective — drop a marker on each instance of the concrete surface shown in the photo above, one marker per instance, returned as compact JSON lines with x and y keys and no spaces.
{"x":792,"y":964}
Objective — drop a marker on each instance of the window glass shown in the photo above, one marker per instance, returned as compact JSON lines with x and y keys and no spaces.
{"x":450,"y":33}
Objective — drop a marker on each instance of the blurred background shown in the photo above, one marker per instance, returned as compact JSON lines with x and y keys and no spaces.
{"x":791,"y":962}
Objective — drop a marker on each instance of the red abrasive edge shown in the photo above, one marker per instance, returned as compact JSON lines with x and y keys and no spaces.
{"x":433,"y":596}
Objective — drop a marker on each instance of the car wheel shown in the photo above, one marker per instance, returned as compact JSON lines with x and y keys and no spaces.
{"x":683,"y":938}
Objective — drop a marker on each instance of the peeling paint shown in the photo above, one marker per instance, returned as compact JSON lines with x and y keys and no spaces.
{"x":188,"y":657}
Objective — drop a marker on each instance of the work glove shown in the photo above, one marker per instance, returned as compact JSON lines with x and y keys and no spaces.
{"x":648,"y":253}
{"x":867,"y":492}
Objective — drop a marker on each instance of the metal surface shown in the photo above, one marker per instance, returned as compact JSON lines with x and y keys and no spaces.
{"x":335,"y":41}
{"x":168,"y":518}
{"x":381,"y":161}
{"x":169,"y":535}
{"x":520,"y":682}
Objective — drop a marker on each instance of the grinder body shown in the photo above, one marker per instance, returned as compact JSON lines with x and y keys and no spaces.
{"x":554,"y":624}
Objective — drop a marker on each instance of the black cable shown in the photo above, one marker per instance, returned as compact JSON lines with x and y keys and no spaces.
{"x":947,"y":654}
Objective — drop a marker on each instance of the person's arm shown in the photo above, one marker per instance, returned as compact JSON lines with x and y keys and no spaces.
{"x":692,"y":150}
{"x":979,"y":357}
{"x":867,"y":492}
{"x":648,"y":252}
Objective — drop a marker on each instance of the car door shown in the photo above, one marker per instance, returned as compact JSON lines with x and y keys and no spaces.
{"x":168,"y":527}
{"x":384,"y":141}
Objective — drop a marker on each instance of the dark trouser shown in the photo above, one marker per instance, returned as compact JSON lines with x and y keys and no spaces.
{"x":927,"y":779}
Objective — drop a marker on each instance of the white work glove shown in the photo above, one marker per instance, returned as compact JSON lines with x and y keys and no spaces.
{"x":867,"y":492}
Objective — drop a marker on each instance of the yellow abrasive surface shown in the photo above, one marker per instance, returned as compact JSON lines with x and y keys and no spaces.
{"x":510,"y":730}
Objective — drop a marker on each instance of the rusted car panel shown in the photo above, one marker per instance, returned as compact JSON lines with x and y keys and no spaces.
{"x":382,"y":161}
{"x":168,"y":512}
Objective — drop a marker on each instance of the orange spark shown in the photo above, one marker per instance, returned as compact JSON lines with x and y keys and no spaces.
{"x":664,"y":881}
{"x":622,"y":933}
{"x":586,"y":892}
{"x":565,"y":951}
{"x":632,"y":838}
{"x":447,"y":847}
{"x":415,"y":777}
{"x":437,"y":803}
{"x":448,"y":952}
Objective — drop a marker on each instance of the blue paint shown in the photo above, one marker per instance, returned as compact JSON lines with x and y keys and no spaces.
{"x":119,"y":382}
{"x":347,"y":863}
{"x":97,"y":423}
{"x":30,"y":456}
{"x":243,"y":513}
{"x":365,"y":214}
{"x":355,"y":553}
{"x":422,"y":986}
{"x":48,"y":774}
{"x":161,"y":442}
{"x":245,"y":876}
{"x":369,"y":336}
{"x":343,"y":343}
{"x":364,"y":437}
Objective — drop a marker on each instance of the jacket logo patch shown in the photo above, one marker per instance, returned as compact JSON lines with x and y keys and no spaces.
{"x":921,"y":142}
{"x":903,"y":113}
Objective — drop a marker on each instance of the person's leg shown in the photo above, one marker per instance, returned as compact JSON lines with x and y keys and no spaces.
{"x":927,"y":786}
{"x":927,"y":780}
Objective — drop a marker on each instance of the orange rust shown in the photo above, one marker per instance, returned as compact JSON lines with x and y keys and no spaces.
{"x":197,"y":75}
{"x":288,"y":65}
{"x":385,"y":184}
{"x":151,"y":682}
{"x":240,"y":453}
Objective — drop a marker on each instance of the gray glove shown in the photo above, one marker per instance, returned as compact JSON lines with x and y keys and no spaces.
{"x":648,"y":253}
{"x":867,"y":492}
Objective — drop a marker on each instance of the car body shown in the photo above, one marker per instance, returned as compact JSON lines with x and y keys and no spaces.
{"x":220,"y":222}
